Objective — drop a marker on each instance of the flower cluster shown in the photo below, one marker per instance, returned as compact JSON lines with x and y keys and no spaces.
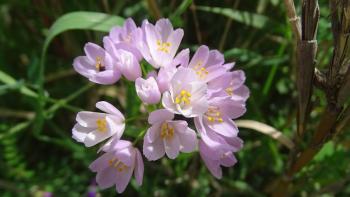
{"x":201,"y":89}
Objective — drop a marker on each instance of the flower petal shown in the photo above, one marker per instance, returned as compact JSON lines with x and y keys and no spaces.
{"x":160,"y":115}
{"x":172,"y":146}
{"x":110,"y":109}
{"x":153,"y":151}
{"x":139,"y":168}
{"x":106,"y":178}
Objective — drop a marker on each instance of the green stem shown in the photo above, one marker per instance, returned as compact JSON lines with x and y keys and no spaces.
{"x":141,"y":134}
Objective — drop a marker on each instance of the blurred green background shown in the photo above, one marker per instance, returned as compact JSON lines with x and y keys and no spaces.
{"x":38,"y":155}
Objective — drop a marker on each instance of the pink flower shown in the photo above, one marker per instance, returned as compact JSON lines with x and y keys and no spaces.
{"x":231,"y":84}
{"x":94,"y":127}
{"x":116,"y":166}
{"x":147,"y":90}
{"x":216,"y":157}
{"x":165,"y":74}
{"x":97,"y":65}
{"x":208,"y":65}
{"x":219,"y":116}
{"x":167,"y":136}
{"x":186,"y":95}
{"x":125,"y":59}
{"x":161,"y":42}
{"x":126,"y":37}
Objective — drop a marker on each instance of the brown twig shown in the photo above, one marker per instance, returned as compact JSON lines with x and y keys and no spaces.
{"x":227,"y":28}
{"x":196,"y":23}
{"x":154,"y":9}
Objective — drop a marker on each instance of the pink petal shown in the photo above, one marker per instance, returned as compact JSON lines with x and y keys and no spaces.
{"x":93,"y":50}
{"x":88,"y":119}
{"x":160,"y":115}
{"x":153,"y":132}
{"x":188,"y":140}
{"x":101,"y":163}
{"x":172,"y":146}
{"x":106,"y":77}
{"x":175,"y":39}
{"x":82,"y":65}
{"x":107,"y":177}
{"x":200,"y":57}
{"x":110,"y":109}
{"x":228,"y":160}
{"x":123,"y":178}
{"x":164,"y":27}
{"x":153,"y":151}
{"x":212,"y":165}
{"x":79,"y":132}
{"x":139,"y":168}
{"x":226,"y":128}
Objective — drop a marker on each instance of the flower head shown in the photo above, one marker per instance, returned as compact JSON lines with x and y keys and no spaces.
{"x":94,"y":127}
{"x":216,"y":157}
{"x":167,"y":136}
{"x":187,"y":95}
{"x":161,"y":42}
{"x":208,"y":65}
{"x":97,"y":65}
{"x":147,"y":90}
{"x":231,"y":84}
{"x":116,"y":166}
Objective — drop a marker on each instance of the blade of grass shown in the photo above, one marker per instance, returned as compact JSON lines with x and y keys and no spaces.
{"x":255,"y":20}
{"x":74,"y":20}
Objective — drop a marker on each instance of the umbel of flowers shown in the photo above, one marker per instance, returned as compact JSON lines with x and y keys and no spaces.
{"x":202,"y":88}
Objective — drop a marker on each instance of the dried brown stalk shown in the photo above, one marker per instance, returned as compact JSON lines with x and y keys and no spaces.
{"x":335,"y":83}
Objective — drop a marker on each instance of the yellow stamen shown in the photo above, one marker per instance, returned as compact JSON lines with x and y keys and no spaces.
{"x":213,"y":114}
{"x":99,"y":66}
{"x":229,"y":91}
{"x":167,"y":131}
{"x":183,"y":97}
{"x":200,"y":70}
{"x":117,"y":164}
{"x":101,"y":124}
{"x":163,"y":46}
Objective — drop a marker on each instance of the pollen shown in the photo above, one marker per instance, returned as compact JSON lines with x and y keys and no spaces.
{"x":163,"y":46}
{"x":214,"y":115}
{"x":101,"y":124}
{"x":229,"y":91}
{"x":200,"y":70}
{"x":183,"y":97}
{"x":117,"y":164}
{"x":98,"y":65}
{"x":167,"y":131}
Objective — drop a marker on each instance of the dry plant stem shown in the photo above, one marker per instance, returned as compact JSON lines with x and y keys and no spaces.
{"x":227,"y":28}
{"x":307,"y":48}
{"x":196,"y":23}
{"x":154,"y":9}
{"x":293,"y":18}
{"x":324,"y":129}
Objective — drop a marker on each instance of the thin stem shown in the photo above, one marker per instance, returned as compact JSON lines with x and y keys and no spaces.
{"x":141,"y":135}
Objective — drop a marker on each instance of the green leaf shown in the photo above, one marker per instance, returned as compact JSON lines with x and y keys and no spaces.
{"x":75,"y":20}
{"x":10,"y":81}
{"x":181,"y":9}
{"x":84,"y":21}
{"x":247,"y":18}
